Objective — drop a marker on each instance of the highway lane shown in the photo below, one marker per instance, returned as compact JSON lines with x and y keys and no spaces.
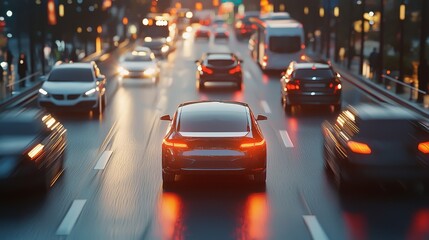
{"x":125,"y":200}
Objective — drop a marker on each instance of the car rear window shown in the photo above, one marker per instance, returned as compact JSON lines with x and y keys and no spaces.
{"x":220,"y":62}
{"x":213,"y":122}
{"x":390,"y":130}
{"x":71,"y":75}
{"x":310,"y":73}
{"x":285,"y":44}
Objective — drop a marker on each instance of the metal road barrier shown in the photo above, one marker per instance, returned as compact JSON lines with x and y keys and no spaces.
{"x":413,"y":90}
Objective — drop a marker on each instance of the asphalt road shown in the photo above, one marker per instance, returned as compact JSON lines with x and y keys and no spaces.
{"x":124,"y":199}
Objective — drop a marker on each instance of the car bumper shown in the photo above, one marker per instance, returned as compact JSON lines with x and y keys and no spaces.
{"x":222,"y":162}
{"x":359,"y":174}
{"x":79,"y":106}
{"x":317,"y":99}
{"x":221,"y":78}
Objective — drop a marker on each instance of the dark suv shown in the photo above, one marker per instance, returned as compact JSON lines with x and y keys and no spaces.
{"x":219,"y":67}
{"x":310,"y":84}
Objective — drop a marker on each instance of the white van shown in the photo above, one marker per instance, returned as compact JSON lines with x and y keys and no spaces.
{"x":276,"y":43}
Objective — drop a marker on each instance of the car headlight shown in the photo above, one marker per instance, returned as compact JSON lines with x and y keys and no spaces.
{"x":43,"y":92}
{"x":165,"y":49}
{"x":91,"y":92}
{"x":123,"y":71}
{"x":149,"y":71}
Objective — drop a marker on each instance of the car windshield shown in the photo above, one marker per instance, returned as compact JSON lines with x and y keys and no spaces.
{"x":137,"y":58}
{"x":285,"y":44}
{"x":381,"y":129}
{"x":213,"y":121}
{"x":71,"y":75}
{"x":311,"y":73}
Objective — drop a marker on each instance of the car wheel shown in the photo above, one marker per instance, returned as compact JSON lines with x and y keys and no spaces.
{"x":168,"y":179}
{"x":201,"y":85}
{"x":260,"y":178}
{"x":287,"y":107}
{"x":326,"y":165}
{"x":99,"y":109}
{"x":103,"y":102}
{"x":337,"y":108}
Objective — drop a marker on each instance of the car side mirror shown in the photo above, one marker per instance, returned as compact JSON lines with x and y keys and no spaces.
{"x":43,"y":78}
{"x":261,"y":118}
{"x":165,"y":118}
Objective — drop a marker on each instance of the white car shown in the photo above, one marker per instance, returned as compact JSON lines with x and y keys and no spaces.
{"x":139,"y":65}
{"x":74,"y":87}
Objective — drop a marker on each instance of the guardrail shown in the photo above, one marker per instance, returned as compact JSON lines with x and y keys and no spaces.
{"x":12,"y":84}
{"x":412,"y":89}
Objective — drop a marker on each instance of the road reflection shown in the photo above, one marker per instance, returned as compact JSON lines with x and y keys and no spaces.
{"x":201,"y":209}
{"x":373,"y":211}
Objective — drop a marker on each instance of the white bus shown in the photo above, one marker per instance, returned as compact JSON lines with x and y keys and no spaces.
{"x":276,"y":43}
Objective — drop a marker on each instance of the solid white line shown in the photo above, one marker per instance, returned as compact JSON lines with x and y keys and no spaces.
{"x":102,"y":162}
{"x":313,"y":225}
{"x":286,"y":139}
{"x":71,"y":217}
{"x":265,"y":106}
{"x":247,"y":74}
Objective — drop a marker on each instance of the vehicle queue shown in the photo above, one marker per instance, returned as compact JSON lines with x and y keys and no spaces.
{"x":224,"y":137}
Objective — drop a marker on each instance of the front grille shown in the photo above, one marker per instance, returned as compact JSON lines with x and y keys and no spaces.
{"x":73,"y":96}
{"x":58,"y":96}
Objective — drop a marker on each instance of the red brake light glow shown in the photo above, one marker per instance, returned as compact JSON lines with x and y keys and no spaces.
{"x":236,"y":69}
{"x":424,"y":147}
{"x":174,"y":144}
{"x":360,"y":148}
{"x":207,"y":70}
{"x":293,"y":85}
{"x":252,"y":144}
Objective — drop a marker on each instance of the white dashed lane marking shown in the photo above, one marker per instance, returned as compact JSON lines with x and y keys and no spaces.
{"x":314,"y":227}
{"x":265,"y":106}
{"x":71,"y":217}
{"x":102,"y":162}
{"x":286,"y":139}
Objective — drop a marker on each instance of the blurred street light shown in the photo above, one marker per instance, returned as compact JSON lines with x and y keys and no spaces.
{"x":336,"y":15}
{"x":399,"y":87}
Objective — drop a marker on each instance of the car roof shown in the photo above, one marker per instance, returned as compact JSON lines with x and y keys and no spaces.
{"x":211,"y":105}
{"x":382,"y":112}
{"x":74,"y":66}
{"x":275,"y":15}
{"x":284,"y":23}
{"x":22,"y":115}
{"x":219,"y":56}
{"x":311,"y":66}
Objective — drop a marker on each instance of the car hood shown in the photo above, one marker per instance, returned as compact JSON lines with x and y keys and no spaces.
{"x":11,"y":150}
{"x":132,"y":66}
{"x":67,"y":87}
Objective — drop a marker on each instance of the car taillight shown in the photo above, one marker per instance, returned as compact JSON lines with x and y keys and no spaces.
{"x":207,"y":70}
{"x":423,"y":147}
{"x":252,"y":144}
{"x":236,"y":69}
{"x":174,"y":144}
{"x":358,"y":147}
{"x":336,"y":86}
{"x":293,"y":85}
{"x":36,"y":151}
{"x":264,"y":60}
